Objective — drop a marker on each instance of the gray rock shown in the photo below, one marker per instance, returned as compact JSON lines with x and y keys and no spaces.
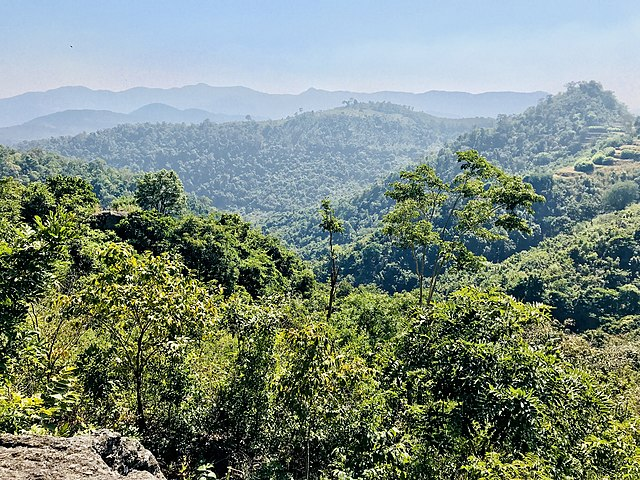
{"x":102,"y":455}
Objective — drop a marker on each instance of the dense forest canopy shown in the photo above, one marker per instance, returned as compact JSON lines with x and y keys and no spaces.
{"x":590,"y":275}
{"x":108,"y":183}
{"x":211,"y":342}
{"x":278,"y":166}
{"x":570,"y":197}
{"x":219,"y":347}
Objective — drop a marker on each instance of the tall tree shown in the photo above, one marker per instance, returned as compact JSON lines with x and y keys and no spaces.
{"x":146,"y":309}
{"x":434,"y":218}
{"x":162,"y":191}
{"x":331,"y":224}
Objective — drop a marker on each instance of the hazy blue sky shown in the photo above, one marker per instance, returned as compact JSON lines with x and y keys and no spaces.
{"x":289,"y":46}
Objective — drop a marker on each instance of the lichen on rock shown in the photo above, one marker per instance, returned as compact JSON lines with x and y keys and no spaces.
{"x":102,"y":455}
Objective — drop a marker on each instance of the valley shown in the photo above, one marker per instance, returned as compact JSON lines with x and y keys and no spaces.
{"x":362,"y":292}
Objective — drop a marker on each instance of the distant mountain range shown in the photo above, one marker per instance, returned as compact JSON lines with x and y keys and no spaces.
{"x":71,"y":110}
{"x":72,"y":122}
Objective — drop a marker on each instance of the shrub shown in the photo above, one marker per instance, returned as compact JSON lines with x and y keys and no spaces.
{"x":598,"y":158}
{"x":584,"y":166}
{"x":629,"y":154}
{"x":620,"y":195}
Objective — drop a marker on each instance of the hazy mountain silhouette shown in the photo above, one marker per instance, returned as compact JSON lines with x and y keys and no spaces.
{"x":241,"y":101}
{"x":72,"y":122}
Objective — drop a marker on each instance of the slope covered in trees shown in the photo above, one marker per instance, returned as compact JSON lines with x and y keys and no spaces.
{"x":590,"y":276}
{"x":37,"y":165}
{"x":265,"y":167}
{"x":127,"y":327}
{"x":545,"y":135}
{"x":370,"y":257}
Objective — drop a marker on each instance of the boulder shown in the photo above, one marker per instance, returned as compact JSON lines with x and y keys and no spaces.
{"x":103,"y":455}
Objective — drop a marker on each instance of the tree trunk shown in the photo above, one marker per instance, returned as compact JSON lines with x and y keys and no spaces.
{"x":139,"y":405}
{"x":333,"y":280}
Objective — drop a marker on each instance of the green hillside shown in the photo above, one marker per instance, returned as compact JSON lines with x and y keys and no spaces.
{"x":546,"y":135}
{"x":212,"y":343}
{"x":589,"y":276}
{"x":37,"y":165}
{"x":263,"y":167}
{"x":571,"y":196}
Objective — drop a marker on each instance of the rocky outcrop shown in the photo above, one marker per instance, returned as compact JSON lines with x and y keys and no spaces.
{"x":102,"y":455}
{"x":107,"y":219}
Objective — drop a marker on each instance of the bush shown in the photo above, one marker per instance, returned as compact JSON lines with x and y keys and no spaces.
{"x":584,"y":166}
{"x":629,"y":154}
{"x":598,"y":158}
{"x":616,"y":141}
{"x":602,"y":158}
{"x":620,"y":195}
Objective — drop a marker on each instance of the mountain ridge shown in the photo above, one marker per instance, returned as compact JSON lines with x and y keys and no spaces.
{"x":238,"y":100}
{"x":76,"y":121}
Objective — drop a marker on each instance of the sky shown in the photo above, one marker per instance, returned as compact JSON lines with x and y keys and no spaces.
{"x":280,"y":46}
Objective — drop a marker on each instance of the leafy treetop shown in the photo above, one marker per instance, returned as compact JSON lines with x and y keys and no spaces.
{"x":434,"y":218}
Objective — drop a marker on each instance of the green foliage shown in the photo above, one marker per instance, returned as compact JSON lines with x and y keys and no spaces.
{"x":30,"y":257}
{"x":585,"y":166}
{"x":161,"y":191}
{"x":629,"y":154}
{"x":37,"y":201}
{"x":260,"y":168}
{"x":222,"y":248}
{"x":545,"y":135}
{"x":211,"y":341}
{"x":588,"y":275}
{"x":620,"y":195}
{"x":331,"y":225}
{"x":598,"y":158}
{"x":146,"y":310}
{"x":433,"y":216}
{"x":483,"y":400}
{"x":37,"y":166}
{"x":72,"y":194}
{"x":317,"y":397}
{"x":51,"y":411}
{"x":554,"y":133}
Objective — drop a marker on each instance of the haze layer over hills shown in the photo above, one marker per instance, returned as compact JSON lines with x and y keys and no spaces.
{"x":72,"y":110}
{"x":259,"y":168}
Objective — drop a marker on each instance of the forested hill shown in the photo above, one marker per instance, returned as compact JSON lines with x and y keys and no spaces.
{"x":275,"y":166}
{"x":36,"y":165}
{"x":558,"y":127}
{"x":577,"y":123}
{"x":598,"y":259}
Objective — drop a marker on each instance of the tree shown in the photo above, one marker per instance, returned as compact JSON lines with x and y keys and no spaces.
{"x":73,"y":194}
{"x":583,"y":165}
{"x":30,"y":258}
{"x":37,"y":200}
{"x":434,"y":218}
{"x":162,"y":191}
{"x":331,"y":225}
{"x":618,"y":196}
{"x":147,"y":309}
